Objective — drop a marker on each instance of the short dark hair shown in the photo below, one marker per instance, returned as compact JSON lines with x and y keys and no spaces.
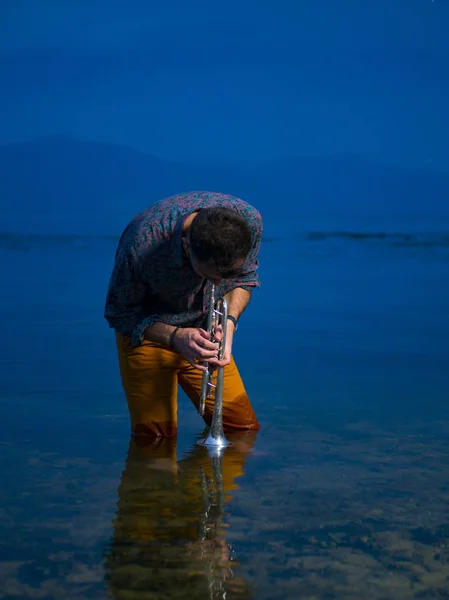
{"x":220,"y":235}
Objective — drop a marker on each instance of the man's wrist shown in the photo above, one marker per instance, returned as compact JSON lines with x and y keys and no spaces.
{"x":171,"y":341}
{"x":234,"y":321}
{"x":160,"y":333}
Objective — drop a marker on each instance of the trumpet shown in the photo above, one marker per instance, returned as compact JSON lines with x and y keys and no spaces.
{"x":217,"y":315}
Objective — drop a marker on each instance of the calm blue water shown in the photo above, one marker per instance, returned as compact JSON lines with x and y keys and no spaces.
{"x":344,"y":493}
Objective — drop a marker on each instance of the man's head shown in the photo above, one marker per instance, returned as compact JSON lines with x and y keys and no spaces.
{"x":218,"y":242}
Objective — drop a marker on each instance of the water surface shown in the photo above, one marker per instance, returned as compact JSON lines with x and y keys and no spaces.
{"x":342,"y":494}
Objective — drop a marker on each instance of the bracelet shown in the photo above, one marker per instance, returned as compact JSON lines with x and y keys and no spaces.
{"x":234,"y":320}
{"x":172,"y":337}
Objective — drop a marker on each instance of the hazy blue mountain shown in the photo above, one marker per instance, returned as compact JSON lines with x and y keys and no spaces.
{"x":70,"y":186}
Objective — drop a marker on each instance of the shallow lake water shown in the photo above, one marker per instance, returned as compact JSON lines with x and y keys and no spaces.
{"x":344,"y":492}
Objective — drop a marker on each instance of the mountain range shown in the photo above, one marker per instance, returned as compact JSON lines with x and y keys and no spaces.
{"x":66,"y":185}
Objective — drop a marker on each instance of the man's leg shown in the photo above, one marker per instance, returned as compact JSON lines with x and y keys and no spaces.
{"x":149,"y":379}
{"x":238,"y":414}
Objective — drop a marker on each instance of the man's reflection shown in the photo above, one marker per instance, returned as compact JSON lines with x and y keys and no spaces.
{"x":169,"y":530}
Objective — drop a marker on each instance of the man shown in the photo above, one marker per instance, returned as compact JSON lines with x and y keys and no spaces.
{"x":159,"y":293}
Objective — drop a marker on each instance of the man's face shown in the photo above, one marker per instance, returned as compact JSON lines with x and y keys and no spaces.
{"x":207,"y":269}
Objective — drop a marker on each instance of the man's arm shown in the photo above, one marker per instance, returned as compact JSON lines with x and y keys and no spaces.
{"x":126,"y":291}
{"x":160,"y":333}
{"x":237,"y":299}
{"x":124,"y":302}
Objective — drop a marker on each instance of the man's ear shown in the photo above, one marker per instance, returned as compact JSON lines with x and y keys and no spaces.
{"x":185,"y":244}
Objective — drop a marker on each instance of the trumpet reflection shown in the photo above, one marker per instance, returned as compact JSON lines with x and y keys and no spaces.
{"x":169,"y":532}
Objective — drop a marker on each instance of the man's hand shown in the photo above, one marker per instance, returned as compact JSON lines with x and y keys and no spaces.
{"x":229,"y":339}
{"x":196,"y":347}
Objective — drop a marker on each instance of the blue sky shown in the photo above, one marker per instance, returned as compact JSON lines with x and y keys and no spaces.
{"x":234,"y":81}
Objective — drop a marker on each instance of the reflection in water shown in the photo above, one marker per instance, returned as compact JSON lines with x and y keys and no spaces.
{"x":169,"y":538}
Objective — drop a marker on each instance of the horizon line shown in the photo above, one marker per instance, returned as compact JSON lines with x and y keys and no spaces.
{"x":335,"y":156}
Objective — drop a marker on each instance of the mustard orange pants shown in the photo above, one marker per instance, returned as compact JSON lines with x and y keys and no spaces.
{"x":150,"y":376}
